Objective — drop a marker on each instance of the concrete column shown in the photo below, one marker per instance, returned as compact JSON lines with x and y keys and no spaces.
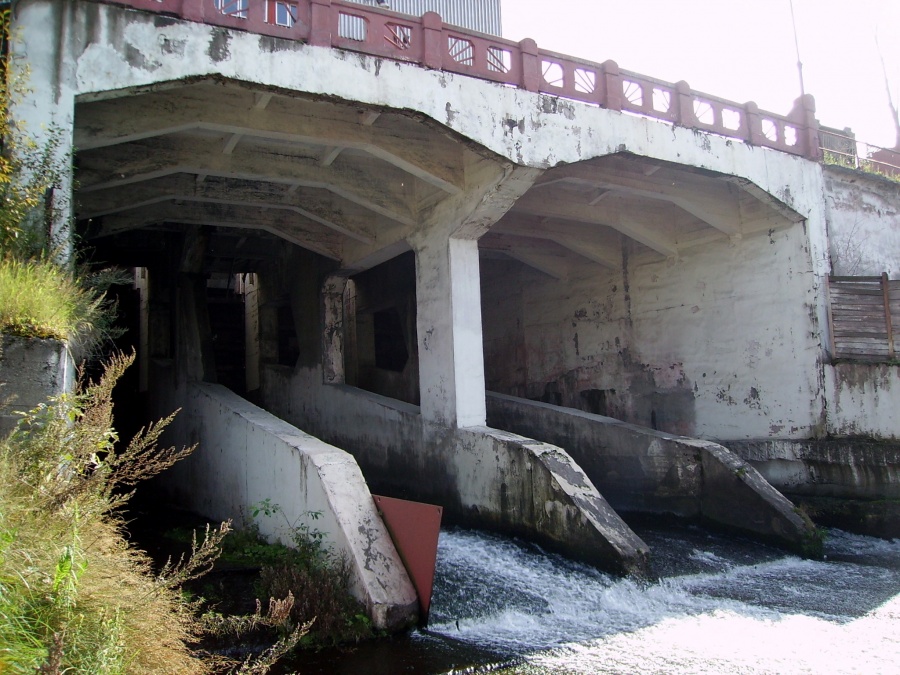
{"x":448,"y":323}
{"x":333,"y":333}
{"x":43,"y":106}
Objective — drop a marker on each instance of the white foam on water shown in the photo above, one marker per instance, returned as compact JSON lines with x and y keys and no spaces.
{"x":728,"y":642}
{"x":780,"y":615}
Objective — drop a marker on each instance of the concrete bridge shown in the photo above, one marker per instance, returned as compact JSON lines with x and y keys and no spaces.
{"x":361,"y":221}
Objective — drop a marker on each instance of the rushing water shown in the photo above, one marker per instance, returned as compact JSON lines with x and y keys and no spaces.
{"x":721,"y":605}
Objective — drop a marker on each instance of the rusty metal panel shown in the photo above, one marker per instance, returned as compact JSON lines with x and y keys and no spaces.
{"x":414,"y":527}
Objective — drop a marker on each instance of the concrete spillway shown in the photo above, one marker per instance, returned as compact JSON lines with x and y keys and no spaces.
{"x":642,"y":470}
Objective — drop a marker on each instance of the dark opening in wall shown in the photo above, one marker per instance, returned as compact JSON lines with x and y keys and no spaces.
{"x":226,"y":323}
{"x":598,"y":401}
{"x":390,"y":345}
{"x":288,"y":345}
{"x":380,"y":349}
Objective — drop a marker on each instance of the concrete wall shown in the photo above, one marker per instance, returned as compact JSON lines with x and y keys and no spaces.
{"x":30,"y":372}
{"x":247,"y":455}
{"x":641,"y":470}
{"x":863,"y":400}
{"x":851,"y":468}
{"x":863,"y":223}
{"x":722,"y":343}
{"x":482,"y":477}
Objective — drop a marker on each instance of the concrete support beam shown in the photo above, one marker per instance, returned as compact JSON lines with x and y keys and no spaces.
{"x":708,"y":199}
{"x":292,"y":227}
{"x":43,"y":110}
{"x":642,"y":470}
{"x":319,"y":205}
{"x":642,"y":226}
{"x":333,"y":330}
{"x":448,"y":321}
{"x":136,"y":163}
{"x":152,"y":116}
{"x":194,"y":355}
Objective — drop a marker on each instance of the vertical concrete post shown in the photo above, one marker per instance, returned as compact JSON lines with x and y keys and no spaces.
{"x":333,"y":333}
{"x":320,"y":23}
{"x":44,"y":109}
{"x":684,"y":104}
{"x":194,"y":356}
{"x":531,"y":65}
{"x":754,"y":123}
{"x":804,"y":113}
{"x":251,"y":331}
{"x":432,"y":39}
{"x":612,"y":85}
{"x":448,"y":324}
{"x":142,"y":285}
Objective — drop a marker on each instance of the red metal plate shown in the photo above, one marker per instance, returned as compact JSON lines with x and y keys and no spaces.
{"x":414,"y":527}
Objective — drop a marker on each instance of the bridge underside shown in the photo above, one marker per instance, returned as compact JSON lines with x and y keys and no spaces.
{"x":364,"y":247}
{"x":301,"y":250}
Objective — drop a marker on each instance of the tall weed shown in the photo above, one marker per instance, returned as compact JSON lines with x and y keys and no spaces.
{"x":74,"y":597}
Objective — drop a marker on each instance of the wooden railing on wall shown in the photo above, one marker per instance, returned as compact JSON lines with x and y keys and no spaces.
{"x":864,"y":313}
{"x":429,"y":42}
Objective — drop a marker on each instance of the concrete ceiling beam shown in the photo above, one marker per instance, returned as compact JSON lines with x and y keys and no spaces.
{"x":440,"y":162}
{"x":534,"y":256}
{"x":709,"y":200}
{"x":316,"y":205}
{"x":299,"y":231}
{"x":635,"y":223}
{"x":599,"y":254}
{"x":592,"y":245}
{"x":117,"y":166}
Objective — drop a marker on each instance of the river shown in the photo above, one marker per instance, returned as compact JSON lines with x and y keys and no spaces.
{"x":721,"y":604}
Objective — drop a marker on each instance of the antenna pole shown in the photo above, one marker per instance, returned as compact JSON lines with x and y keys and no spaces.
{"x":797,"y":49}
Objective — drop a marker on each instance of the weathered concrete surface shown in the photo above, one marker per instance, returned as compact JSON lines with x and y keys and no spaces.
{"x":863,"y":223}
{"x":481,"y":477}
{"x":679,"y":345}
{"x":863,"y":399}
{"x":852,"y":483}
{"x":246,"y":455}
{"x":31,"y":370}
{"x":848,"y":468}
{"x":647,"y":471}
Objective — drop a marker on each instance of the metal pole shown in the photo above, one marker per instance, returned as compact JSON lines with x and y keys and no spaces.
{"x":797,"y":49}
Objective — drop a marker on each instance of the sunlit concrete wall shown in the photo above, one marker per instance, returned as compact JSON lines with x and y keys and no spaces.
{"x":721,"y":343}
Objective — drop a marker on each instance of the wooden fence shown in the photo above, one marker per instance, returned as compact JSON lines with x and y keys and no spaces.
{"x":864,"y":317}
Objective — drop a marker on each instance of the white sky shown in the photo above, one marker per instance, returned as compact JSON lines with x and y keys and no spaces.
{"x":741,"y":50}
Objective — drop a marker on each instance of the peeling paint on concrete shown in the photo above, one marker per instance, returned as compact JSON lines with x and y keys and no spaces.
{"x":219,"y":43}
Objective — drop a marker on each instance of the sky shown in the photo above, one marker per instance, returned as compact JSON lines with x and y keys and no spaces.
{"x":742,"y":50}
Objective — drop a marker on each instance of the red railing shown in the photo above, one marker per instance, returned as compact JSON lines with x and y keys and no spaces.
{"x":427,"y":41}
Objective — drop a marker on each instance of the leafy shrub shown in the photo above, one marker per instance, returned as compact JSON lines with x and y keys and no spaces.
{"x":308,"y":570}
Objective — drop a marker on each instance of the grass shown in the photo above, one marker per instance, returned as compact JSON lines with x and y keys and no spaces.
{"x":74,"y":596}
{"x":41,"y":299}
{"x":832,"y":158}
